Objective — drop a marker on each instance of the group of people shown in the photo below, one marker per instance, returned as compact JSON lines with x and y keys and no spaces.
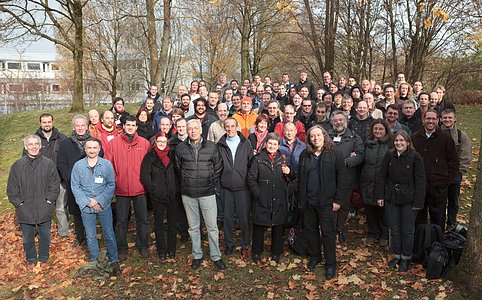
{"x":241,"y":153}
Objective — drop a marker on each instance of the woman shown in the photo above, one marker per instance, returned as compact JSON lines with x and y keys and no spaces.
{"x":400,"y":187}
{"x":267,"y":179}
{"x":157,"y":175}
{"x":194,"y":89}
{"x":404,"y":92}
{"x":176,"y":114}
{"x":376,"y":146}
{"x":258,"y":137}
{"x":144,"y":124}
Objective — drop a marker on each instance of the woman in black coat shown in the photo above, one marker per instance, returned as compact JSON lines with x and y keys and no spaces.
{"x":267,"y":179}
{"x":144,"y":124}
{"x":157,"y":175}
{"x":400,"y":187}
{"x":377,"y":145}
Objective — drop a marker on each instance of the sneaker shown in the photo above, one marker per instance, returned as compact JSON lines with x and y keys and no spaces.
{"x":220,"y":265}
{"x":404,"y":264}
{"x":229,"y":250}
{"x":196,"y":263}
{"x":392,"y":264}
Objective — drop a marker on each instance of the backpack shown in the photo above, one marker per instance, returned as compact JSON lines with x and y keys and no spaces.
{"x":454,"y":243}
{"x":425,"y":236}
{"x":297,"y":242}
{"x":437,"y":261}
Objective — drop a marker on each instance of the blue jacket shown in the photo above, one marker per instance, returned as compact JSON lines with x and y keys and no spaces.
{"x":292,"y":157}
{"x":84,"y":186}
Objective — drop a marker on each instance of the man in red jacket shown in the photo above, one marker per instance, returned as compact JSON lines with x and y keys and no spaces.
{"x":126,"y":153}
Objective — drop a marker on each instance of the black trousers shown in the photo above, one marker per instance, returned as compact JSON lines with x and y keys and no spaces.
{"x":316,"y":217}
{"x":160,"y":210}
{"x":123,"y":204}
{"x":435,"y":205}
{"x":377,"y":222}
{"x":79,"y":228}
{"x":276,"y":239}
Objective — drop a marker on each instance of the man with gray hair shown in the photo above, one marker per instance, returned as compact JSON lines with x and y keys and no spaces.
{"x":199,"y":164}
{"x":33,"y":187}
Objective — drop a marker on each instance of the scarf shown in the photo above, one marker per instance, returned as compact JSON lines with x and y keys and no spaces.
{"x":260,"y":139}
{"x":271,"y":156}
{"x":163,"y":155}
{"x":184,"y":108}
{"x":79,"y":140}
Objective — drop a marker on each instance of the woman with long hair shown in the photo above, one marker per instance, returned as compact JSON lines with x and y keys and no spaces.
{"x":258,"y":137}
{"x":400,"y":188}
{"x":144,"y":124}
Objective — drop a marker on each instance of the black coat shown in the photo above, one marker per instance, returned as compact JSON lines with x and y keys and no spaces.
{"x":198,"y":173}
{"x":360,"y":127}
{"x":234,"y":176}
{"x":401,"y":179}
{"x":145,"y":130}
{"x":332,"y":177}
{"x":33,"y":187}
{"x":268,"y":185}
{"x":159,"y":181}
{"x":375,"y":151}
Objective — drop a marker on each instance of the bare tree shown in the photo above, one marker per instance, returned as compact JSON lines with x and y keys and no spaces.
{"x":60,"y":22}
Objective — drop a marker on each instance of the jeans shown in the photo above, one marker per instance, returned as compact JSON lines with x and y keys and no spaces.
{"x":453,"y":199}
{"x":436,"y":205}
{"x":105,"y":217}
{"x":377,"y":222}
{"x":28,"y":235}
{"x":208,"y":207}
{"x":123,"y":204}
{"x":316,"y":217}
{"x":61,"y":213}
{"x":402,"y":229}
{"x":238,"y":202}
{"x":160,"y":209}
{"x":276,"y":239}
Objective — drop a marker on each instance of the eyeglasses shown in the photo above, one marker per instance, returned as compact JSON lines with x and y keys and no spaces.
{"x":306,"y":105}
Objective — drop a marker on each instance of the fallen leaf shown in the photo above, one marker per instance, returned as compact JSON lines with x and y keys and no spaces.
{"x":292,"y":284}
{"x":16,"y":289}
{"x":218,"y":276}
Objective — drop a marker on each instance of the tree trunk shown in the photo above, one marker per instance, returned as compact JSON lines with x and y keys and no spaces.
{"x":152,"y":41}
{"x":245,"y":33}
{"x":165,"y":41}
{"x":391,"y":23}
{"x":468,"y":274}
{"x":314,"y":36}
{"x":78,"y":53}
{"x":331,"y":14}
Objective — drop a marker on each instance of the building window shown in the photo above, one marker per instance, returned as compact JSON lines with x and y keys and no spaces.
{"x":13,"y":66}
{"x":33,"y":66}
{"x":55,"y":87}
{"x":54,"y":67}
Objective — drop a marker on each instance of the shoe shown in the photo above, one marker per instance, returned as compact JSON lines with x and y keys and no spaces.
{"x":275,"y":258}
{"x":229,"y":250}
{"x":116,"y":269}
{"x":196,"y":263}
{"x":220,"y":265}
{"x":341,"y":236}
{"x":353,"y":213}
{"x":122,"y":255}
{"x":171,"y":255}
{"x":184,"y":237}
{"x":162,"y":257}
{"x":403,"y":267}
{"x":256,"y":258}
{"x":244,"y":253}
{"x":313,"y":263}
{"x":371,"y":240}
{"x":330,"y":272}
{"x":144,"y":253}
{"x":393,"y":263}
{"x":383,"y":243}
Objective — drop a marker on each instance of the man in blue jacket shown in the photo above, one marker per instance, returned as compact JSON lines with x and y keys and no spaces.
{"x":93,"y":185}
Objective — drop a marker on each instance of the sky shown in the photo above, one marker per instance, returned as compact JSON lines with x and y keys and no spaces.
{"x":40,"y":46}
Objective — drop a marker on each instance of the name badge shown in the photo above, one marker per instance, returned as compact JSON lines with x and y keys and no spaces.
{"x":110,"y":137}
{"x":118,"y":122}
{"x":337,"y":139}
{"x":99,"y":180}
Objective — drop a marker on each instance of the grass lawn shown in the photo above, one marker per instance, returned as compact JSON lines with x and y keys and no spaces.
{"x":362,"y":271}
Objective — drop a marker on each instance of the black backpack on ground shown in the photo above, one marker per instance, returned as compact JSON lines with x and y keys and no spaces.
{"x":425,"y":236}
{"x":297,"y":242}
{"x":454,"y":243}
{"x":437,"y":261}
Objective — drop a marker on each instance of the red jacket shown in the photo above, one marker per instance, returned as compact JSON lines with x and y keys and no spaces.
{"x":126,"y":158}
{"x":300,"y":128}
{"x":105,"y":136}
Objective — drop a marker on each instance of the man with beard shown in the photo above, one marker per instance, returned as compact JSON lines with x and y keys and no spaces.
{"x":321,"y":118}
{"x":108,"y":131}
{"x":70,"y":151}
{"x":126,"y":153}
{"x":200,"y":113}
{"x":391,"y":115}
{"x":51,"y":138}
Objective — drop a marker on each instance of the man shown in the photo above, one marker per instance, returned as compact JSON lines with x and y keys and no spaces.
{"x":126,"y":153}
{"x":442,"y":103}
{"x":409,"y":118}
{"x":389,"y":92}
{"x":285,"y":80}
{"x":152,"y":94}
{"x":245,"y":117}
{"x":186,"y":105}
{"x":236,"y":152}
{"x":434,"y":98}
{"x":347,"y":107}
{"x":464,"y":151}
{"x":234,"y":86}
{"x":93,"y":185}
{"x":200,"y":106}
{"x":291,"y":147}
{"x":400,"y":79}
{"x":274,"y":115}
{"x":32,"y":188}
{"x":257,"y":99}
{"x":374,"y":112}
{"x":321,"y":194}
{"x":267,"y":81}
{"x":417,"y":89}
{"x":377,"y":92}
{"x":305,"y":82}
{"x":265,"y":100}
{"x":236,"y":105}
{"x":165,"y":126}
{"x":51,"y":138}
{"x":424,"y":105}
{"x":199,"y":164}
{"x":321,"y":117}
{"x":365,"y":86}
{"x":203,"y":92}
{"x":70,"y":151}
{"x":362,"y":121}
{"x":282,"y":96}
{"x":165,"y":111}
{"x":108,"y":130}
{"x":352,"y":147}
{"x":289,"y":116}
{"x":222,"y":81}
{"x":306,"y":115}
{"x":351,"y":82}
{"x":305,"y":93}
{"x":327,"y":81}
{"x":213,"y":101}
{"x":118,"y":109}
{"x":150,"y":106}
{"x":94,"y":119}
{"x":216,"y":130}
{"x":227,"y":96}
{"x":391,"y":115}
{"x":441,"y":166}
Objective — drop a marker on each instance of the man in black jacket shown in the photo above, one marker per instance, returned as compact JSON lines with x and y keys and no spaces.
{"x":33,"y":187}
{"x":236,"y":152}
{"x":199,"y":164}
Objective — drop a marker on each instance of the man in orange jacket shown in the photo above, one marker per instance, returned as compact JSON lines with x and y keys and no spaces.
{"x":245,"y":117}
